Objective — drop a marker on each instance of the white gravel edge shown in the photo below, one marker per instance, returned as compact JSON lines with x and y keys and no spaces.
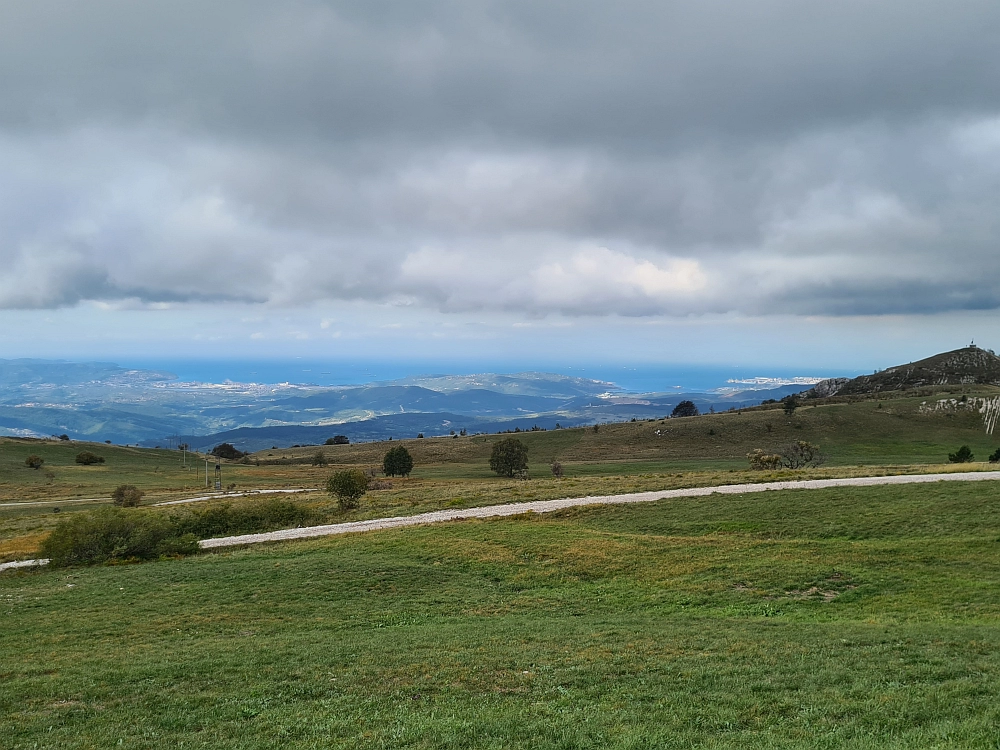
{"x":547,"y":506}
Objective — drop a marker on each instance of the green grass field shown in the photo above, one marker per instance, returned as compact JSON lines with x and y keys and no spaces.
{"x":861,"y":618}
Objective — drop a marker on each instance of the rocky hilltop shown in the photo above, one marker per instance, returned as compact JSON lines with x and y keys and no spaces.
{"x":970,"y":365}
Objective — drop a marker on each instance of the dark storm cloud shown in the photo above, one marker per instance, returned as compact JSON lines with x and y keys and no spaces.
{"x":634,"y":158}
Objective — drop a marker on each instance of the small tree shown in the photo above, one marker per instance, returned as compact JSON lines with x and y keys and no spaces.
{"x":509,"y":458}
{"x":995,"y":456}
{"x":557,"y":470}
{"x":87,"y":458}
{"x":801,"y":454}
{"x":962,"y":456}
{"x":126,"y":496}
{"x":319,"y":459}
{"x":789,"y":404}
{"x":685,"y":409}
{"x":397,"y":462}
{"x":34,"y":462}
{"x":347,"y":486}
{"x":337,"y":440}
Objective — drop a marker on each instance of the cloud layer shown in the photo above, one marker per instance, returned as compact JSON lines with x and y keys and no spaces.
{"x":631,"y":158}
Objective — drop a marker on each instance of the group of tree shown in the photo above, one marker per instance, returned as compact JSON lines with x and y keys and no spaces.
{"x":227,"y":451}
{"x":338,"y":440}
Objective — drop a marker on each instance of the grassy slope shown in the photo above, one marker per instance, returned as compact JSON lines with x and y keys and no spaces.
{"x":863,"y":618}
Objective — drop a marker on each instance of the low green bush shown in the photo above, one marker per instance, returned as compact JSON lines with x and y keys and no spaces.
{"x":87,"y":458}
{"x":226,"y":519}
{"x":114,"y":534}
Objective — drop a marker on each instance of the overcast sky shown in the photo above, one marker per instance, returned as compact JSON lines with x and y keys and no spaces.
{"x":779,"y":180}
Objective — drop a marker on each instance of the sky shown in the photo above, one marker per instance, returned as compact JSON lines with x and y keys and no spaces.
{"x":790,"y":183}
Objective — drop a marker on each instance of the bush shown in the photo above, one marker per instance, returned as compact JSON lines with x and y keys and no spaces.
{"x":962,"y":456}
{"x":760,"y":461}
{"x":557,"y":470}
{"x":995,"y":456}
{"x":126,"y":496}
{"x":685,"y":409}
{"x":224,"y":519}
{"x":34,"y":462}
{"x":509,"y":458}
{"x":227,"y":451}
{"x":87,"y":458}
{"x":319,"y":459}
{"x":347,"y":486}
{"x":800,"y":454}
{"x":337,"y":440}
{"x":109,"y":534}
{"x":397,"y":461}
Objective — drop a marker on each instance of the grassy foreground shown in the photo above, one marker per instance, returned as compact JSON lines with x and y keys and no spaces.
{"x":861,"y":618}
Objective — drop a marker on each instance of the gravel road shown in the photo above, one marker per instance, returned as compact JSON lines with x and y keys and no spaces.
{"x":547,"y":506}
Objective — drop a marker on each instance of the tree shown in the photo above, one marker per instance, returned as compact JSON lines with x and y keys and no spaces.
{"x":347,"y":486}
{"x":87,"y":458}
{"x":685,"y":409}
{"x":126,"y":495}
{"x":34,"y":462}
{"x":557,"y":470}
{"x":790,"y":404}
{"x":397,"y":462}
{"x":64,"y":437}
{"x":228,"y":451}
{"x":337,"y":440}
{"x":962,"y":456}
{"x":319,"y":459}
{"x":509,"y":458}
{"x":995,"y":456}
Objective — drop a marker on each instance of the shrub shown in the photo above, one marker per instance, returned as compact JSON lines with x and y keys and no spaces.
{"x":995,"y":456}
{"x":34,"y":462}
{"x":126,"y":496}
{"x":760,"y":461}
{"x":64,"y":437}
{"x":789,"y":404}
{"x":246,"y":517}
{"x":337,"y":440}
{"x":319,"y":459}
{"x":227,"y":451}
{"x":557,"y":470}
{"x":801,"y":454}
{"x":397,"y":462}
{"x":685,"y":409}
{"x":87,"y":458}
{"x":509,"y":458}
{"x":962,"y":456}
{"x":110,"y":534}
{"x":347,"y":486}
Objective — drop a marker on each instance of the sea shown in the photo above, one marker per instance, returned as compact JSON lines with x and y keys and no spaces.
{"x":640,"y":378}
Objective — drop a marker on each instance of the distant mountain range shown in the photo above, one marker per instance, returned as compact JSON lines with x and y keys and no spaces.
{"x":102,"y":401}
